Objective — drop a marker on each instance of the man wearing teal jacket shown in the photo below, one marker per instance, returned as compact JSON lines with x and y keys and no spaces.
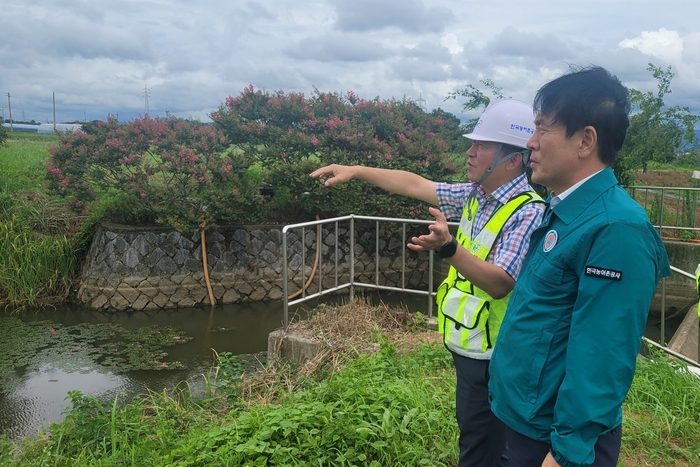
{"x":568,"y":345}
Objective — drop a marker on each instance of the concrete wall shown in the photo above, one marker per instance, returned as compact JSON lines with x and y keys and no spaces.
{"x":130,"y":268}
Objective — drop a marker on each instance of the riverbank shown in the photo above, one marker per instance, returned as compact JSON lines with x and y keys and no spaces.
{"x":383,"y":397}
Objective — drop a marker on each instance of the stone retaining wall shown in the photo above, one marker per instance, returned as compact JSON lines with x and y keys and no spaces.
{"x":137,"y":268}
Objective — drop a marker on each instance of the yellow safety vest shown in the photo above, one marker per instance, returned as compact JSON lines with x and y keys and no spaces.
{"x":468,"y":317}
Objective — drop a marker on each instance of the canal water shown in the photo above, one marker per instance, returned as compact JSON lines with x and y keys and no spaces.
{"x":33,"y":391}
{"x":51,"y":352}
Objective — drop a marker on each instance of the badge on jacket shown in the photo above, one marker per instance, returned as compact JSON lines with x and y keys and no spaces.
{"x":604,"y":273}
{"x":550,"y":240}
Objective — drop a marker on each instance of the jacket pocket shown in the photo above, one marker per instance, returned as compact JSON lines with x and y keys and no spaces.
{"x":466,"y":321}
{"x":540,"y":357}
{"x":547,"y":269}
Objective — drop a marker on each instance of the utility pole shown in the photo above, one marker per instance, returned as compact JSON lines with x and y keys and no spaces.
{"x":9,"y":106}
{"x":84,"y":116}
{"x":54,"y":112}
{"x":421,"y":102}
{"x":146,"y":93}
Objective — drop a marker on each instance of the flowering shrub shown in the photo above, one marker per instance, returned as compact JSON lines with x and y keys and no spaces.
{"x":286,"y":131}
{"x":179,"y":170}
{"x":253,"y":164}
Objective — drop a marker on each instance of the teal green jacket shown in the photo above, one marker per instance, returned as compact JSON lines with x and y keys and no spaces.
{"x":568,"y":345}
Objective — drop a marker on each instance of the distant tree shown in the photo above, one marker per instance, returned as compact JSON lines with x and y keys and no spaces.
{"x":656,"y":133}
{"x":476,"y":99}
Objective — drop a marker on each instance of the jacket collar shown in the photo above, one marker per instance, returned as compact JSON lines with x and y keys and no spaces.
{"x":575,"y":203}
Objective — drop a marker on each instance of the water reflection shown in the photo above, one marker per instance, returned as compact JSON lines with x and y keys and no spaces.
{"x":41,"y":397}
{"x":32,"y":398}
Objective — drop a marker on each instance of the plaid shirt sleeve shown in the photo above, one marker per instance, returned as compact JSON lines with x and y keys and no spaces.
{"x":514,"y":241}
{"x":451,"y":199}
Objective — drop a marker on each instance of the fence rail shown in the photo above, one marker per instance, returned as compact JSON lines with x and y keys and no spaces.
{"x":675,"y":212}
{"x":332,"y":260}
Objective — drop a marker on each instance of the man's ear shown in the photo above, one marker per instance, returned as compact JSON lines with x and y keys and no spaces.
{"x":515,"y":162}
{"x":589,"y":142}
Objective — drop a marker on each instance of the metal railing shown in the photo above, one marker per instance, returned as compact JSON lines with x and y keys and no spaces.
{"x":661,"y":344}
{"x":336,"y":261}
{"x":429,"y":293}
{"x":673,"y":211}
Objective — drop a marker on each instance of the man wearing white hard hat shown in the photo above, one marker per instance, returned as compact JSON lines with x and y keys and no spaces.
{"x":498,"y":210}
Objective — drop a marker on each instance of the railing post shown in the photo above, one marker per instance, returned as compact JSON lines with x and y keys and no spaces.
{"x":663,"y":312}
{"x":303,"y":261}
{"x":403,"y":255}
{"x":376,"y":253}
{"x":431,"y":285}
{"x":352,"y":258}
{"x":285,"y":277}
{"x":337,"y":239}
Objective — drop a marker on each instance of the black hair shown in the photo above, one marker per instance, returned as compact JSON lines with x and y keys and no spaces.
{"x":588,"y":97}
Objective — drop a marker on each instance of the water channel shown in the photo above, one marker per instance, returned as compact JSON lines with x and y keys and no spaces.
{"x":39,"y":368}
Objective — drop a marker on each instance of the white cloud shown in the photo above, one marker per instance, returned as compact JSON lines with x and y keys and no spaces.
{"x":98,"y":56}
{"x":664,"y":44}
{"x":449,"y":41}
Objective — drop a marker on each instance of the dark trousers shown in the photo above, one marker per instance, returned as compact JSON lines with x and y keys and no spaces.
{"x":482,"y":437}
{"x":527,"y":452}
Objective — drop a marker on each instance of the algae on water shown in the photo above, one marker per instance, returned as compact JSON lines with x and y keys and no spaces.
{"x":108,"y":347}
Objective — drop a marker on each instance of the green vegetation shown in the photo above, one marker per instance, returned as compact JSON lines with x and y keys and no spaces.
{"x":364,"y":402}
{"x":662,"y":414}
{"x":3,"y":132}
{"x":38,"y":259}
{"x":23,"y":161}
{"x":657,"y":133}
{"x":251,"y":166}
{"x":35,"y":269}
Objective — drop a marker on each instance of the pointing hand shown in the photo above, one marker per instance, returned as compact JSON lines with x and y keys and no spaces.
{"x":337,"y":173}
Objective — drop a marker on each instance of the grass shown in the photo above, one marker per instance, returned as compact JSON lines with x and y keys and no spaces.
{"x":23,"y":160}
{"x":383,"y":395}
{"x":36,"y":231}
{"x":662,"y":414}
{"x":32,"y":269}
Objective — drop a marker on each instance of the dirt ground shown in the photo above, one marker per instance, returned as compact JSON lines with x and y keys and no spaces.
{"x":666,"y":178}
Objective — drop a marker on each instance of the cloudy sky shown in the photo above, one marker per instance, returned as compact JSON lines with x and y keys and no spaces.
{"x":100,"y":56}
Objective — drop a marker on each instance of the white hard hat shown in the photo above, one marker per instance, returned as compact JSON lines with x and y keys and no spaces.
{"x":507,"y":121}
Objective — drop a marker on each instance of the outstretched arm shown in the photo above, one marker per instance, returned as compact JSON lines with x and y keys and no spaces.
{"x":395,"y":181}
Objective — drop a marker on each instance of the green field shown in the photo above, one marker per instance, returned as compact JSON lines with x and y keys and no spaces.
{"x":23,"y":160}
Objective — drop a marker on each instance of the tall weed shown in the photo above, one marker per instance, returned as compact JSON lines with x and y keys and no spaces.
{"x":34,"y":269}
{"x":662,"y":413}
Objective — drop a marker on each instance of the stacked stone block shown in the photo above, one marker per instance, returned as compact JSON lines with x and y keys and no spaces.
{"x":140,"y":268}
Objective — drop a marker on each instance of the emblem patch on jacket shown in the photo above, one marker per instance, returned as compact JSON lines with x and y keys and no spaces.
{"x":604,"y":273}
{"x":550,"y":240}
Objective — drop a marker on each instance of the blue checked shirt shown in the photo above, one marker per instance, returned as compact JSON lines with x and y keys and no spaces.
{"x":514,"y":240}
